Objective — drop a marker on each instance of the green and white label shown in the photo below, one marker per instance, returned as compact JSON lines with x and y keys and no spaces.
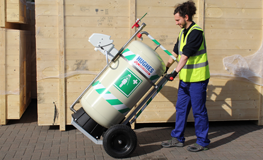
{"x":127,"y":82}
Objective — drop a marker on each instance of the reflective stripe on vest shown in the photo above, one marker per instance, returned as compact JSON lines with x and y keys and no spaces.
{"x":196,"y":68}
{"x":192,"y":66}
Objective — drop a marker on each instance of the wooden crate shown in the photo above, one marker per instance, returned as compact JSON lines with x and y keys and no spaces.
{"x":66,"y":62}
{"x":15,"y":72}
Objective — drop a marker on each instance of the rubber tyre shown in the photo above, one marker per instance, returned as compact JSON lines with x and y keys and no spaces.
{"x":128,"y":124}
{"x":119,"y":141}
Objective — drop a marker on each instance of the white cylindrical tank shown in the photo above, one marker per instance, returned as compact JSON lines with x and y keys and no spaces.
{"x":123,"y":84}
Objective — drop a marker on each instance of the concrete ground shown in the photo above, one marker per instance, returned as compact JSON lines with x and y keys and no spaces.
{"x":24,"y":139}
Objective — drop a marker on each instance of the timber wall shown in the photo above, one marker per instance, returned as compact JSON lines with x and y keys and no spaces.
{"x":67,"y":63}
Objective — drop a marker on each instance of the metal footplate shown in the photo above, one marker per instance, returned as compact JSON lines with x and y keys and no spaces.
{"x":85,"y":124}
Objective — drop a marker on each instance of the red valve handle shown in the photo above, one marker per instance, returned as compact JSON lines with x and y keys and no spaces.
{"x":136,"y":24}
{"x":139,"y":35}
{"x":171,"y":78}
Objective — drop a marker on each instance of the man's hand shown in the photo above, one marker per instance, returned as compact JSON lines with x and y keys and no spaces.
{"x":171,"y":76}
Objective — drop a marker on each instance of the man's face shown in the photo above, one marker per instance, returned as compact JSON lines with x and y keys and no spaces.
{"x":180,"y":21}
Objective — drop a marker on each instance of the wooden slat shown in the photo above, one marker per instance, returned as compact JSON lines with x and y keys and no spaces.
{"x":61,"y":53}
{"x":161,"y":23}
{"x":99,"y":2}
{"x":14,"y":105}
{"x":91,"y":9}
{"x":132,"y":18}
{"x":2,"y":13}
{"x":201,"y":16}
{"x":233,"y":13}
{"x":260,"y":106}
{"x":233,"y":34}
{"x":132,"y":14}
{"x":156,"y":11}
{"x":17,"y":73}
{"x":234,"y":4}
{"x":233,"y":44}
{"x":224,"y":23}
{"x":3,"y":100}
{"x":46,"y":114}
{"x":86,"y":9}
{"x":45,"y":21}
{"x":106,"y":22}
{"x":15,"y":11}
{"x":39,"y":2}
{"x":161,"y":3}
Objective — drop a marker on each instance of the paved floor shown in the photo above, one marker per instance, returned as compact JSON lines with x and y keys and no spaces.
{"x":24,"y":139}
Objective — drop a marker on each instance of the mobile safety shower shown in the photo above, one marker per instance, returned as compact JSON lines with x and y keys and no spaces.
{"x":133,"y":72}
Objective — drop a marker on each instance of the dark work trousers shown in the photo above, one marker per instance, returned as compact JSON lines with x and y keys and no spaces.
{"x":192,"y":95}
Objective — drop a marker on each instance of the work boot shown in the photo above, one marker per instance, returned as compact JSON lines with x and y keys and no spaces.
{"x":196,"y":148}
{"x":172,"y":143}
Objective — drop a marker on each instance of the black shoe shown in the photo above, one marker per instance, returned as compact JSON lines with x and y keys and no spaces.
{"x":172,"y":143}
{"x":196,"y":148}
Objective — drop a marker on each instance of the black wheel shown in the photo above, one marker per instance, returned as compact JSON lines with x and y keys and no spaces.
{"x":119,"y":141}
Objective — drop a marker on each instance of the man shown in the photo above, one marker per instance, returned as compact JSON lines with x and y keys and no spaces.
{"x":190,"y":50}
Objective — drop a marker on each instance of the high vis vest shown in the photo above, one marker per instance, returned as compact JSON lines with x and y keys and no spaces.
{"x":196,"y":68}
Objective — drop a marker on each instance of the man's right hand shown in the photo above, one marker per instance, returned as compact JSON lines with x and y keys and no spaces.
{"x":170,"y":77}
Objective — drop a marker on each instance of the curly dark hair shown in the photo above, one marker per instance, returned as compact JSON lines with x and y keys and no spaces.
{"x":186,"y":8}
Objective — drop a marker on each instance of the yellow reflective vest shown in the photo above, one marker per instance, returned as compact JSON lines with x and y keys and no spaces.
{"x":196,"y":68}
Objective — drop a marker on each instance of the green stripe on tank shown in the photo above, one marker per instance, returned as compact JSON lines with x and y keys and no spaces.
{"x":124,"y":110}
{"x":130,"y":57}
{"x":108,"y":92}
{"x":100,"y":91}
{"x":114,"y":101}
{"x":126,"y":50}
{"x":95,"y":83}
